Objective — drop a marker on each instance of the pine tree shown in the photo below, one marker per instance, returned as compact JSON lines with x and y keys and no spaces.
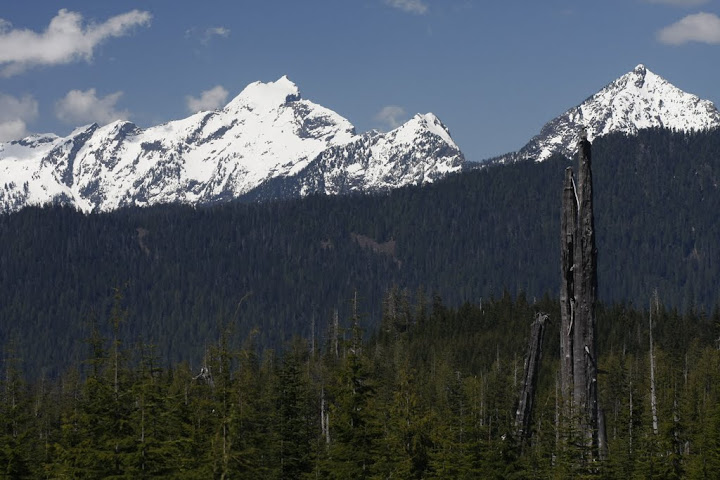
{"x":156,"y":450}
{"x":253,"y":409}
{"x":296,"y":422}
{"x":15,"y":421}
{"x":354,"y":430}
{"x":457,"y":436}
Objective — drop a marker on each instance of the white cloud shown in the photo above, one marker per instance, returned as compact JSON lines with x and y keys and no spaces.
{"x":390,"y":115}
{"x":209,"y":100}
{"x":13,"y":130}
{"x":15,"y":113}
{"x":206,"y":35}
{"x":411,"y":6}
{"x":680,"y":3}
{"x":700,"y":27}
{"x":65,"y":40}
{"x":78,"y":107}
{"x":215,"y":32}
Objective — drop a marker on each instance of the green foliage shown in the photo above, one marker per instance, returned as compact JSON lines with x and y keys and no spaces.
{"x":430,"y":394}
{"x":295,"y":419}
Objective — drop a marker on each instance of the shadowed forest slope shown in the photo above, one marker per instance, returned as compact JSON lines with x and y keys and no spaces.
{"x":284,"y":267}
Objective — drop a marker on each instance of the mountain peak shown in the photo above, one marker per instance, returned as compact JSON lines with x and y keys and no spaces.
{"x":432,"y":123}
{"x":637,"y":100}
{"x":641,"y":78}
{"x":268,"y":95}
{"x":640,"y":75}
{"x":640,"y":69}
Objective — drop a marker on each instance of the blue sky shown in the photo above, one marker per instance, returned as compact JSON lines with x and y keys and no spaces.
{"x":493,"y":71}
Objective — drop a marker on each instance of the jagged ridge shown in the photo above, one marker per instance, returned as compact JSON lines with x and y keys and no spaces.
{"x":267,"y":136}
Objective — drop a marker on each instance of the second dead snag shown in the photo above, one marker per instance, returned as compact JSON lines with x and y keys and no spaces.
{"x":532,"y":368}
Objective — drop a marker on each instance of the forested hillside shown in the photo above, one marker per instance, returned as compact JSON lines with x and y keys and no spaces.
{"x":284,"y":267}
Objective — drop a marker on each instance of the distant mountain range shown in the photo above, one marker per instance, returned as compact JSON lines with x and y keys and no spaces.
{"x":267,"y":135}
{"x":269,"y":142}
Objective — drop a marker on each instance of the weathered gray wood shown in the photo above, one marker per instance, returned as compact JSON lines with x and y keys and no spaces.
{"x":567,"y":291}
{"x":585,"y":285}
{"x":533,"y":357}
{"x":578,"y":298}
{"x":653,"y":396}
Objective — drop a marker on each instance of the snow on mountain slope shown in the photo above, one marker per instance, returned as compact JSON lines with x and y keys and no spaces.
{"x":267,"y":132}
{"x":637,"y":100}
{"x":420,"y":151}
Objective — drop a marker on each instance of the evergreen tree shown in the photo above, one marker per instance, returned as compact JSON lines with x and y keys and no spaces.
{"x":296,"y":422}
{"x":353,"y":429}
{"x":16,"y":432}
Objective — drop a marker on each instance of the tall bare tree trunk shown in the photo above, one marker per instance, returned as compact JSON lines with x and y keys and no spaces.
{"x":584,"y":296}
{"x":567,"y":295}
{"x":630,"y":422}
{"x":336,"y":333}
{"x":578,"y":297}
{"x":324,"y":417}
{"x":653,"y":396}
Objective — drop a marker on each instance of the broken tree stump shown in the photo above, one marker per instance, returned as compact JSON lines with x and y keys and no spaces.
{"x":533,"y":357}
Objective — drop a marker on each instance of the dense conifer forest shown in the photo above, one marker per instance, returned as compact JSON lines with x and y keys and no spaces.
{"x":286,"y":266}
{"x":429,"y":393}
{"x":366,"y":336}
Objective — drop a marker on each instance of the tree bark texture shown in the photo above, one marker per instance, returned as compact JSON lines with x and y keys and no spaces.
{"x":567,"y":291}
{"x":578,"y":297}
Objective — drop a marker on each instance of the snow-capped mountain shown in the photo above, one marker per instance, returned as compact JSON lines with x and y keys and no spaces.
{"x":420,"y":151}
{"x":267,"y":142}
{"x":637,"y":100}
